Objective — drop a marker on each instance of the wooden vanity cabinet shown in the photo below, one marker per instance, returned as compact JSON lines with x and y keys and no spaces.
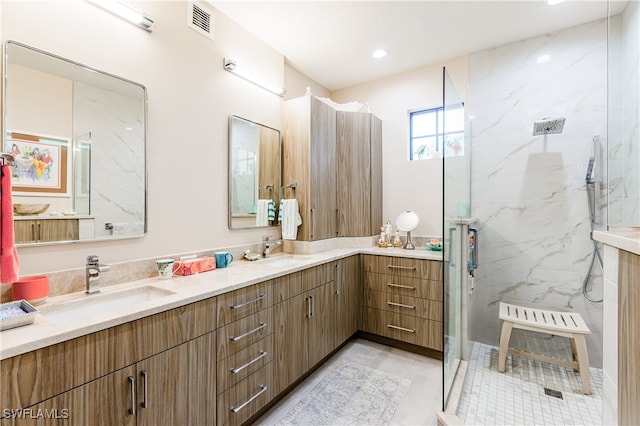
{"x":348,"y":294}
{"x":172,"y":387}
{"x":305,"y":323}
{"x":309,"y":161}
{"x":89,"y":375}
{"x":245,"y":352}
{"x":46,"y":230}
{"x":403,"y":299}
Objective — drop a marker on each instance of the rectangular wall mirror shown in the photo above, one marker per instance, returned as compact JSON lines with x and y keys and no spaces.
{"x":254,"y":174}
{"x":78,"y":138}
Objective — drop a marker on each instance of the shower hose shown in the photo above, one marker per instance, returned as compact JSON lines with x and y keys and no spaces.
{"x":596,"y":252}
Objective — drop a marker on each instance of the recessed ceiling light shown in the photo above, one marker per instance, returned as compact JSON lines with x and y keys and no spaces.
{"x":554,"y":2}
{"x":543,"y":58}
{"x":379,"y":53}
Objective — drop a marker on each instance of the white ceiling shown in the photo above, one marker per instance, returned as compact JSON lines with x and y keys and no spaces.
{"x":332,"y":41}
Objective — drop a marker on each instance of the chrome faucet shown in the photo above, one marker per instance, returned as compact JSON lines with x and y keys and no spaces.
{"x":267,"y":245}
{"x":93,"y":269}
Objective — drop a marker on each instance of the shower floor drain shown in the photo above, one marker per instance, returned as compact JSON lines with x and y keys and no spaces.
{"x":552,"y":392}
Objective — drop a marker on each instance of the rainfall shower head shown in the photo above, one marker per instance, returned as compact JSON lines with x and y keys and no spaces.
{"x":548,"y":126}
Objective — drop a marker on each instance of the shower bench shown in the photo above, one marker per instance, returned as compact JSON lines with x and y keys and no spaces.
{"x":566,"y":324}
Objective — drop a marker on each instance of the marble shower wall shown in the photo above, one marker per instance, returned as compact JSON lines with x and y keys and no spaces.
{"x":116,"y":124}
{"x":624,"y":119}
{"x":528,"y":192}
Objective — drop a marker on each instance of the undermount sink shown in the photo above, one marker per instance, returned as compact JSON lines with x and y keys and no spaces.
{"x":285,"y":260}
{"x":97,"y":304}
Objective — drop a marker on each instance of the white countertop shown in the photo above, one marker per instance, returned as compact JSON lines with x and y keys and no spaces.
{"x":50,"y":217}
{"x":190,"y":289}
{"x":627,"y":239}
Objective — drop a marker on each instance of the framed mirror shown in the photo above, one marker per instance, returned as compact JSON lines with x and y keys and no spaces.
{"x":92,"y":127}
{"x":254,"y":174}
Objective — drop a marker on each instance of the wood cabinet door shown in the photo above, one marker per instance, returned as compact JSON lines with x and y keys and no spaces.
{"x":106,"y":401}
{"x":290,"y":338}
{"x":178,"y":386}
{"x":59,"y":230}
{"x":376,"y":175}
{"x":322,"y":322}
{"x":354,"y":174}
{"x":25,"y":231}
{"x":323,"y":177}
{"x":348,"y":298}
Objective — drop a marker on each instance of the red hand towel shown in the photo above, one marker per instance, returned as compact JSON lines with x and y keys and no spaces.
{"x":9,"y":262}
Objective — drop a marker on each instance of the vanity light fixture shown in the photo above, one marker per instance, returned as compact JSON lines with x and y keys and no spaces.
{"x":231,"y":66}
{"x":125,"y":12}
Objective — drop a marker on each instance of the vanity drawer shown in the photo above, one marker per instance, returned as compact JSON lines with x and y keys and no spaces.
{"x":242,"y":333}
{"x":406,"y":305}
{"x":243,"y":302}
{"x":238,"y":403}
{"x":243,"y":363}
{"x":402,"y":266}
{"x":406,"y":328}
{"x":407,"y":286}
{"x":308,"y":279}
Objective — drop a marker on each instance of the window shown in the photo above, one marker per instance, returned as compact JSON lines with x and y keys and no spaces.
{"x":432,"y":134}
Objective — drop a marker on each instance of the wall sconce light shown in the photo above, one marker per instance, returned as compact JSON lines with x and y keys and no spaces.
{"x":125,"y":12}
{"x":231,"y":66}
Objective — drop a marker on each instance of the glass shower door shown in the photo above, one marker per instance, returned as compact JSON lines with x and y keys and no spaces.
{"x":456,"y":205}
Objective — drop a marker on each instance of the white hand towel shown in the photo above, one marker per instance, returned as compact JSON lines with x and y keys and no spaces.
{"x":290,"y":218}
{"x":262,"y":212}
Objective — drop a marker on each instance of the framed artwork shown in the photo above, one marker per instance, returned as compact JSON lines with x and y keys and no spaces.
{"x":41,"y":164}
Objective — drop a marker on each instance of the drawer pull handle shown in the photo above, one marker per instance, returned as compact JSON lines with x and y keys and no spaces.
{"x":401,"y":328}
{"x":262,"y":390}
{"x":408,"y":287}
{"x":409,"y":268}
{"x":132,"y":389}
{"x":262,"y":296}
{"x":400,"y":305}
{"x":242,"y":336}
{"x":242,"y":367}
{"x":144,"y":403}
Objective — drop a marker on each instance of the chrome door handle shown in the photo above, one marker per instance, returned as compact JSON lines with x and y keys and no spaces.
{"x":262,"y":296}
{"x":144,"y":403}
{"x":132,"y":389}
{"x":262,"y":390}
{"x":401,"y":328}
{"x":409,"y":268}
{"x":242,"y":367}
{"x":408,"y":287}
{"x":242,"y":336}
{"x":400,"y":305}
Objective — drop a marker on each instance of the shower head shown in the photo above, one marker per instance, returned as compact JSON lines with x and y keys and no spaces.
{"x":548,"y":126}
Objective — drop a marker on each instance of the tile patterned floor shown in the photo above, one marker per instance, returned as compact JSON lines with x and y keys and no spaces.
{"x":517,"y":396}
{"x":422,"y":400}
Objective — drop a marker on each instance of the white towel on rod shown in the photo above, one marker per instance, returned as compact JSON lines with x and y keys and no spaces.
{"x":289,"y":218}
{"x":262,"y":212}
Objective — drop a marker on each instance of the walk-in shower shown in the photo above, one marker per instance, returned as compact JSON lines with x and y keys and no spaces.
{"x":592,"y":196}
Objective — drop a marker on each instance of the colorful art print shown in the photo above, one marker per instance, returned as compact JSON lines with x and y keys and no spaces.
{"x":40,"y":164}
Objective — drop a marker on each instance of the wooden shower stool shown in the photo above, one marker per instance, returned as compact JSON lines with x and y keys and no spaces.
{"x":566,"y":324}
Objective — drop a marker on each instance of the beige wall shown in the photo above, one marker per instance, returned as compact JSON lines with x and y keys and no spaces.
{"x":408,"y":185}
{"x":297,"y":83}
{"x":190,"y":100}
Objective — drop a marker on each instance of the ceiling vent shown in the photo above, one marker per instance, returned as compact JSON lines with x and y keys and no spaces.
{"x":200,"y":19}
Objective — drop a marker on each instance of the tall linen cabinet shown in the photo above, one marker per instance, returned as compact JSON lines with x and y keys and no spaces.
{"x":335,"y":158}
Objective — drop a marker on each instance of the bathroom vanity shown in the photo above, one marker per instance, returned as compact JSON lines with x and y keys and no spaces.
{"x":240,"y":336}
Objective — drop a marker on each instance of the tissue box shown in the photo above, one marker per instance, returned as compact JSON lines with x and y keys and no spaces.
{"x":194,"y":266}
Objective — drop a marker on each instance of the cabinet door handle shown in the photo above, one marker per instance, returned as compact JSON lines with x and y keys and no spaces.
{"x":262,"y":296}
{"x":262,"y":390}
{"x":409,"y":268}
{"x":308,"y":306}
{"x":313,"y":305}
{"x":313,"y":223}
{"x":242,"y":367}
{"x":39,"y":232}
{"x":144,"y":403}
{"x":410,"y":330}
{"x":33,"y":232}
{"x":400,"y":305}
{"x":132,"y":389}
{"x":338,"y":278}
{"x":242,"y":336}
{"x":408,"y":287}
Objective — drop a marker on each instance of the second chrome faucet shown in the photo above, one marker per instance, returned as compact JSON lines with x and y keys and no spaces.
{"x":93,"y":269}
{"x":267,"y":246}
